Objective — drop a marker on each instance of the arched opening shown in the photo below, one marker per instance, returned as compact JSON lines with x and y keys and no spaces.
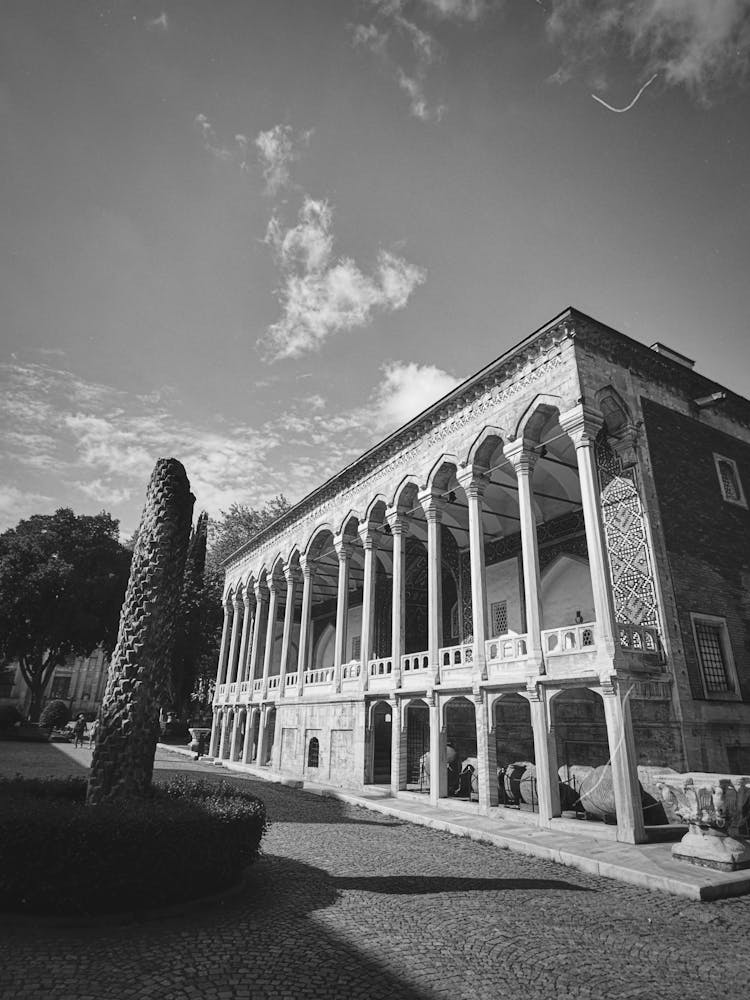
{"x":238,"y":736}
{"x":566,"y":593}
{"x":417,"y":746}
{"x":382,"y":734}
{"x":461,"y":749}
{"x":254,"y":735}
{"x":313,"y":752}
{"x":270,"y":733}
{"x":514,"y":746}
{"x":580,"y":727}
{"x":226,"y":736}
{"x":320,"y":654}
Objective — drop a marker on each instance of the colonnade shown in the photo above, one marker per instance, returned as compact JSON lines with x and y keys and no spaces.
{"x":249,"y":630}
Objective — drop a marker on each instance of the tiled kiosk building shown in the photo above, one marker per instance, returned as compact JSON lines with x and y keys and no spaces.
{"x":549,"y":565}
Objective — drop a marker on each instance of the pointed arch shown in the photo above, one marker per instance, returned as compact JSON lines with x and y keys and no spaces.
{"x":536,"y":415}
{"x":485,"y":444}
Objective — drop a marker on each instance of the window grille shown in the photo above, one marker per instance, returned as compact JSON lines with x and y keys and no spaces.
{"x":729,"y":480}
{"x":60,"y":686}
{"x":313,"y":752}
{"x":454,"y":621}
{"x":356,"y":646}
{"x":708,"y":637}
{"x":499,"y":616}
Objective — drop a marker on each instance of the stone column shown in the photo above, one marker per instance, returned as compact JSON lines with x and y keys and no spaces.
{"x":399,"y":530}
{"x":344,"y":552}
{"x":583,"y":424}
{"x":305,"y":628}
{"x":291,"y":574}
{"x":486,"y":754}
{"x":270,"y":630}
{"x":223,"y":738}
{"x":233,"y":736}
{"x":622,"y":751}
{"x":474,"y":485}
{"x":545,"y":753}
{"x":221,"y":671}
{"x":367,"y":536}
{"x":234,"y":645}
{"x":248,"y":735}
{"x":521,"y":456}
{"x":432,"y":505}
{"x":213,"y":747}
{"x":438,"y":762}
{"x":247,"y":625}
{"x":261,"y":611}
{"x":398,"y":748}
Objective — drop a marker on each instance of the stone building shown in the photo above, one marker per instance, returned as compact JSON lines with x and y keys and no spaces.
{"x":550,"y":565}
{"x":80,"y":682}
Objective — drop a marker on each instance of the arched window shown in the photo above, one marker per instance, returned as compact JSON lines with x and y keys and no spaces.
{"x":313,"y":752}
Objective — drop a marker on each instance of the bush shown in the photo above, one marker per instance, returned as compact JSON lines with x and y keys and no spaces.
{"x":57,"y":855}
{"x":55,"y":715}
{"x":9,"y":716}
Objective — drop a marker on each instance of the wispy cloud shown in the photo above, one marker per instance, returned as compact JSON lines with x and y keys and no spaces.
{"x":160,"y":23}
{"x":210,"y":140}
{"x":278,"y":148}
{"x":406,"y":50}
{"x":321,"y":295}
{"x":100,"y":443}
{"x":701,"y":45}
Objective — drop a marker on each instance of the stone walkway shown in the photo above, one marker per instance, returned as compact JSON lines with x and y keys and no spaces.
{"x":348,"y":903}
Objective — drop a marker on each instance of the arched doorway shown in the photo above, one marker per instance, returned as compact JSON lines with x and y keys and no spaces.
{"x":461,"y":748}
{"x":238,"y":735}
{"x":382,"y":734}
{"x":270,"y":732}
{"x":417,"y":746}
{"x":514,"y":746}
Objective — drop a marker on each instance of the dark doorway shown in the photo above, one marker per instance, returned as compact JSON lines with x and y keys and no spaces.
{"x":382,"y":728}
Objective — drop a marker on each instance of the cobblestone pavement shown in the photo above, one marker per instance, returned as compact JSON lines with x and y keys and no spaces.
{"x":348,"y":903}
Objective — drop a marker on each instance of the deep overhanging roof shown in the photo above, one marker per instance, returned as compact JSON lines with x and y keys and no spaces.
{"x":567,"y":315}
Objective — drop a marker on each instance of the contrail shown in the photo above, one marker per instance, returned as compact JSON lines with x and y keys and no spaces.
{"x":629,"y":106}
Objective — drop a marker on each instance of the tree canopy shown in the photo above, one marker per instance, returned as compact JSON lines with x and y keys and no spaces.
{"x":237,"y":525}
{"x":62,"y":581}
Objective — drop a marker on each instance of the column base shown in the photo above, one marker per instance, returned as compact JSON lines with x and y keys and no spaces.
{"x":712,"y":849}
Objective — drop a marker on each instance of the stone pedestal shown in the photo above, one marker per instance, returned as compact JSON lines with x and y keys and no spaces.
{"x":713,"y":806}
{"x":199,"y":740}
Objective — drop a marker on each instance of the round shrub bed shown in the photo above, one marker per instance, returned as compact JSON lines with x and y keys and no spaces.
{"x":59,"y":856}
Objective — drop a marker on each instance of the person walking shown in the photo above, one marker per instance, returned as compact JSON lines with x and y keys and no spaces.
{"x":79,"y":730}
{"x":92,"y":733}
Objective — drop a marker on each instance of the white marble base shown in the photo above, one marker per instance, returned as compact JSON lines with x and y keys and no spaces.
{"x":712,"y":849}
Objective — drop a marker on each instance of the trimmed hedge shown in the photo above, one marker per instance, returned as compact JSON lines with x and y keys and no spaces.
{"x":59,"y":856}
{"x":55,"y":715}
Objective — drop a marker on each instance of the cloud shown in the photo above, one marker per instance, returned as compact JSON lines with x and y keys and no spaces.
{"x":210,"y":140}
{"x":160,"y":23}
{"x":407,"y":388}
{"x":701,"y":45}
{"x":407,"y":51}
{"x":279,"y":147}
{"x":322,"y":295}
{"x":17,"y":504}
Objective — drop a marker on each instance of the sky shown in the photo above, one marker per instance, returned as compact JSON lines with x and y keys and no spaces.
{"x":259,"y":235}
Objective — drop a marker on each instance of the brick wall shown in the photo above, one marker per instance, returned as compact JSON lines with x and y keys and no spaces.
{"x":707,"y":538}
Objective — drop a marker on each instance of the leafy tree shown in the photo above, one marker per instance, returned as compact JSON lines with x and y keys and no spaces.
{"x":55,"y":715}
{"x":238,"y":525}
{"x":191,"y":637}
{"x":139,"y":673}
{"x":62,"y":580}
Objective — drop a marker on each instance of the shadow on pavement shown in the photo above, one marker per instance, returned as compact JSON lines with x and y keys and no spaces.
{"x":419,"y":885}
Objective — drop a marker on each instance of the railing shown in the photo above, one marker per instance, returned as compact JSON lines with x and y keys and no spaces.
{"x":245,"y":688}
{"x":351,"y":670}
{"x":414,"y":663}
{"x":258,"y":684}
{"x":221,"y":692}
{"x":291,"y":680}
{"x":506,"y":648}
{"x":570,"y":639}
{"x":233,"y":689}
{"x":273,"y":682}
{"x":640,"y":639}
{"x":323,"y":676}
{"x":380,"y":668}
{"x":456,"y":656}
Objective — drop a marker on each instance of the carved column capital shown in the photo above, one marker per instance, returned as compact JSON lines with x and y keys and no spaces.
{"x":292,"y":574}
{"x":344,"y":548}
{"x":432,"y":504}
{"x":521,"y":454}
{"x":472,"y":480}
{"x":249,"y":598}
{"x":582,"y":423}
{"x":261,"y":591}
{"x":397,"y":522}
{"x":307,"y":565}
{"x":367,"y":535}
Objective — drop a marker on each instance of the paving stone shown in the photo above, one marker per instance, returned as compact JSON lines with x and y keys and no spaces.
{"x":346,"y":903}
